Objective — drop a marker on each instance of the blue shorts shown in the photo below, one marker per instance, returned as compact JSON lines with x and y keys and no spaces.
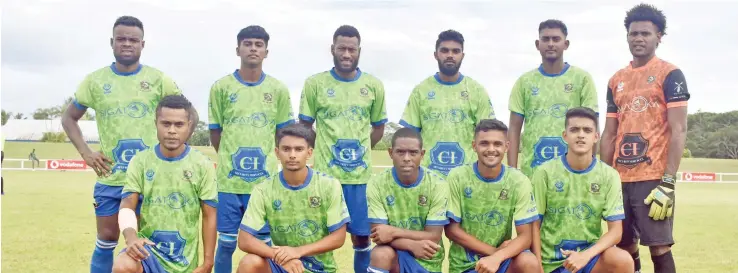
{"x":355,"y":196}
{"x":231,"y":208}
{"x":107,"y":199}
{"x":502,"y":269}
{"x":150,"y":264}
{"x":408,"y":263}
{"x":309,"y":263}
{"x":587,"y":268}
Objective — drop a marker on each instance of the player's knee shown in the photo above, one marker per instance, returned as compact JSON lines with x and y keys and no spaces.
{"x":252,"y":263}
{"x":108,"y":234}
{"x":617,"y":260}
{"x":526,"y":262}
{"x":659,"y":250}
{"x":360,"y":241}
{"x":125,"y":264}
{"x":630,"y":248}
{"x":384,"y":254}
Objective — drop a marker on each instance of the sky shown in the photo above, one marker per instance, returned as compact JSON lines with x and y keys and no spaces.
{"x":48,"y":46}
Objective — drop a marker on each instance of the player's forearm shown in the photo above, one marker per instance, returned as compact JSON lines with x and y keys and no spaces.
{"x":607,"y":148}
{"x":209,"y":233}
{"x":516,"y":125}
{"x":249,"y":244}
{"x":676,"y":149}
{"x":608,"y":240}
{"x":402,"y":244}
{"x":215,"y":138}
{"x":74,"y":133}
{"x":399,"y":233}
{"x":521,"y":242}
{"x":377,"y":134}
{"x":536,"y":239}
{"x":456,"y":234}
{"x":329,"y":243}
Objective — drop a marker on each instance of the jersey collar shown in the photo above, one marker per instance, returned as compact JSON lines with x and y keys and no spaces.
{"x":421,"y":173}
{"x":568,"y":167}
{"x":489,"y":180}
{"x":308,"y":178}
{"x":244,"y":82}
{"x":157,"y":150}
{"x":134,"y":72}
{"x":438,"y":79}
{"x":338,"y":77}
{"x":566,"y":67}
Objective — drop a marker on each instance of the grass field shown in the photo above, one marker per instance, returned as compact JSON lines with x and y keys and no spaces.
{"x":48,"y":222}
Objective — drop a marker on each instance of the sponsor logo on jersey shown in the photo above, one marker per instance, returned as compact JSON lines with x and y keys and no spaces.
{"x":468,"y":192}
{"x":314,"y":201}
{"x":134,"y":110}
{"x":390,"y":200}
{"x":556,"y":110}
{"x":257,"y":120}
{"x":304,"y":228}
{"x":547,"y":148}
{"x":249,"y":164}
{"x":639,"y":104}
{"x":412,"y":223}
{"x":233,"y":97}
{"x":124,"y":152}
{"x":491,"y":218}
{"x":446,"y":156}
{"x":422,"y":200}
{"x":353,"y":113}
{"x":170,"y":246}
{"x":150,"y":175}
{"x":268,"y":97}
{"x":454,"y":116}
{"x":277,"y":205}
{"x":559,"y":186}
{"x":582,"y":211}
{"x":174,"y":200}
{"x":632,"y":151}
{"x":431,"y":95}
{"x":348,"y":154}
{"x":107,"y":88}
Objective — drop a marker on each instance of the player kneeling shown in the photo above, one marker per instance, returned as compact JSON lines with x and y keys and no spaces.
{"x":305,"y":209}
{"x":407,"y":211}
{"x":485,"y":197}
{"x":174,"y":183}
{"x":572,"y":194}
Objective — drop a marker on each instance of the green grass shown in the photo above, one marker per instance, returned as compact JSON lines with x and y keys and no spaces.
{"x":48,"y":222}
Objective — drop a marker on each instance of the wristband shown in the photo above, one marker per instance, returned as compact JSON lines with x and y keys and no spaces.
{"x":127,"y":219}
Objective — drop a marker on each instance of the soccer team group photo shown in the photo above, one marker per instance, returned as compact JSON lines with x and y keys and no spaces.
{"x":546,"y":188}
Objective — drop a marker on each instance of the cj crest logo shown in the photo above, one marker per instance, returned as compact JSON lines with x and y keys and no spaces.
{"x":124,"y":152}
{"x":348,"y":154}
{"x":547,"y":148}
{"x":633,"y":150}
{"x":249,"y":163}
{"x":170,"y":245}
{"x":446,"y":156}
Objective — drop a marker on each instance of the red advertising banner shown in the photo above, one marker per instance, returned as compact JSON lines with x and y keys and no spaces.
{"x":66,"y":164}
{"x":698,"y":177}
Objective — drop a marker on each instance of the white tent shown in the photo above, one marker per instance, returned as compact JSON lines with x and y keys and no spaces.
{"x":33,"y":130}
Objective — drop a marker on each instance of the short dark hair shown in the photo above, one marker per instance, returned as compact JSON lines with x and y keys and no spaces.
{"x":450,"y":35}
{"x":347,"y":31}
{"x":553,"y":24}
{"x":175,"y":102}
{"x":490,"y":125}
{"x":581,"y":112}
{"x":646,"y":12}
{"x":129,"y":21}
{"x":253,"y":32}
{"x":407,"y":133}
{"x":296,"y":130}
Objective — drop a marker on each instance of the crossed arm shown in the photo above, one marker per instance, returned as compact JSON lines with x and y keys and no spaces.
{"x":283,"y":254}
{"x":455,"y":233}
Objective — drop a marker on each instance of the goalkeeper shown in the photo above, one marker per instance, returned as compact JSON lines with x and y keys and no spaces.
{"x":645,"y":132}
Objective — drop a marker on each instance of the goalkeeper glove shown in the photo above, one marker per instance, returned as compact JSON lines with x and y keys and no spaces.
{"x":661,"y":199}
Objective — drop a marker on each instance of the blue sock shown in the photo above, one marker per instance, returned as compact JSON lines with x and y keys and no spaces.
{"x":102,"y":257}
{"x":362,"y":256}
{"x":224,"y":253}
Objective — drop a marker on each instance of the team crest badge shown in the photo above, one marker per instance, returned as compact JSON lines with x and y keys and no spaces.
{"x":568,"y":88}
{"x":268,"y":97}
{"x":145,"y":86}
{"x":364,"y":92}
{"x":621,"y":85}
{"x":187,"y":175}
{"x":594,"y":188}
{"x":314,"y":201}
{"x":503,"y":195}
{"x":651,"y":79}
{"x":464,"y":95}
{"x":422,"y":200}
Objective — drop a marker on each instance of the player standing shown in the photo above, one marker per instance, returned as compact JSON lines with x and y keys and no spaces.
{"x":573,"y":195}
{"x":170,"y":185}
{"x":486,"y":198}
{"x":124,"y":96}
{"x":540,"y":98}
{"x":246,"y":108}
{"x":647,"y":125}
{"x":446,"y":106}
{"x":407,"y":211}
{"x":305,"y":210}
{"x":344,"y":102}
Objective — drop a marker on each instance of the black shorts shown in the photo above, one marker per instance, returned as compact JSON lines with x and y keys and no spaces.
{"x":637,"y":225}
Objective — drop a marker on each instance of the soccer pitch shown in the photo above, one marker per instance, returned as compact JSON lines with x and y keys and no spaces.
{"x":48,"y":221}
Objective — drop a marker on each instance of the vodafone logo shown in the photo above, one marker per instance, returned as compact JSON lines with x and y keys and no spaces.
{"x":699,"y":177}
{"x":66,"y":164}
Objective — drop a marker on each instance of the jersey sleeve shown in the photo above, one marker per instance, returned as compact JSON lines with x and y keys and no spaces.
{"x":516,"y":104}
{"x":337,"y":212}
{"x":255,"y":217}
{"x":83,"y":97}
{"x":526,"y":210}
{"x":134,"y":176}
{"x":438,"y":205}
{"x":589,"y":94}
{"x":676,"y":92}
{"x":539,"y":184}
{"x":454,"y":197}
{"x":484,"y":105}
{"x":612,"y":108}
{"x":377,"y":214}
{"x":285,"y":115}
{"x":379,"y":109}
{"x":208,"y":187}
{"x":215,"y":118}
{"x":308,"y":107}
{"x":169,"y":87}
{"x":614,"y":200}
{"x":411,"y":114}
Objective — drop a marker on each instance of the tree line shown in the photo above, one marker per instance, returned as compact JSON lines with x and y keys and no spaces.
{"x":709,"y":135}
